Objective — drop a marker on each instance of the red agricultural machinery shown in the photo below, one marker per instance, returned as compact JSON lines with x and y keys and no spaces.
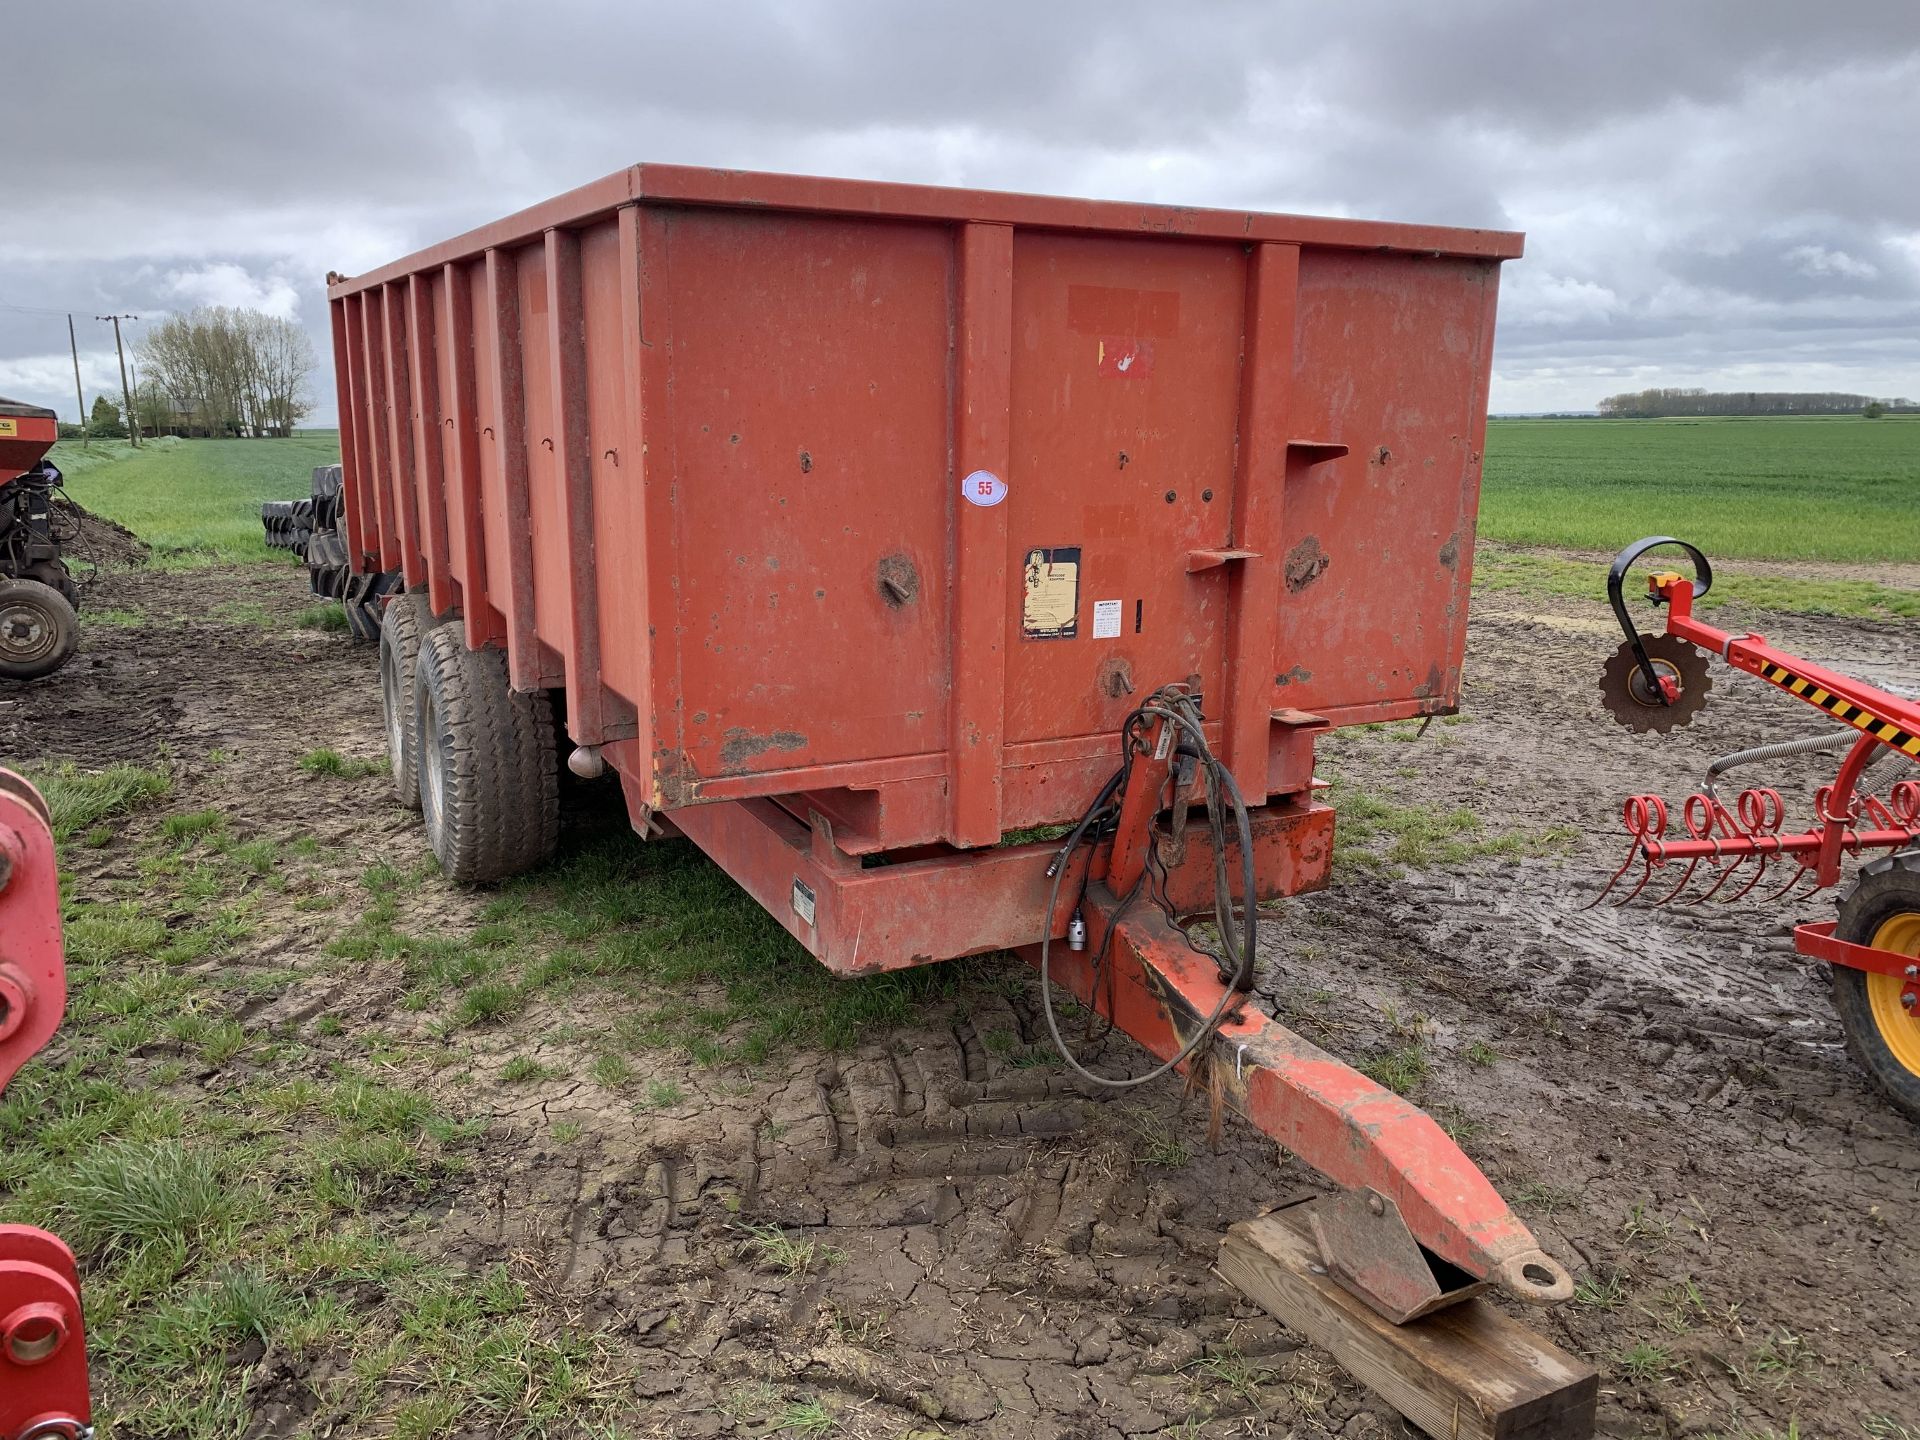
{"x":38,"y":626}
{"x":43,"y":1352}
{"x":859,"y":528}
{"x":1732,"y":851}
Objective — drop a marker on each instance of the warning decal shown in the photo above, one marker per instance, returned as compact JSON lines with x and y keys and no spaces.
{"x":9,"y":427}
{"x":1052,"y":594}
{"x":1106,"y":619}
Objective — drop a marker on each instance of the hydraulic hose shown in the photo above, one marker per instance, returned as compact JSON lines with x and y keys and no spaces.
{"x":1178,"y":710}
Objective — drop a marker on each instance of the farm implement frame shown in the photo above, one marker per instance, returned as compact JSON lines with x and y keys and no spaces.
{"x":1655,"y":683}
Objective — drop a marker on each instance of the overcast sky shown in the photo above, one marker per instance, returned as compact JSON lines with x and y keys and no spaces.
{"x":1715,"y":192}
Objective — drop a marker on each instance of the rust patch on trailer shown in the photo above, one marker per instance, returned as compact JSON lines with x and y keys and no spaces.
{"x":1450,"y":552}
{"x":742,"y":746}
{"x":898,"y":580}
{"x":1116,"y":677}
{"x":1298,"y":674}
{"x":1306,"y":562}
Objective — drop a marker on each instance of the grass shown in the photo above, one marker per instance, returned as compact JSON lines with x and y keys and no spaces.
{"x":328,"y":616}
{"x":268,"y":1204}
{"x":196,"y":502}
{"x":771,"y":1248}
{"x":1601,"y":1290}
{"x":330,"y":762}
{"x":1496,"y":570}
{"x":675,"y":955}
{"x":1644,"y":1362}
{"x":123,"y":1198}
{"x":1840,"y":488}
{"x":1402,"y":1069}
{"x":80,"y":800}
{"x":1235,"y":1373}
{"x":807,"y":1417}
{"x":1376,"y":833}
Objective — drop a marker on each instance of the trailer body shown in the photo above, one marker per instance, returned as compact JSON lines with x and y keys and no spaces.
{"x":859,"y":526}
{"x":885,"y":503}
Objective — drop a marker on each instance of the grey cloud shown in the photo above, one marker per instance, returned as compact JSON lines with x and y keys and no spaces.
{"x":1707,"y":187}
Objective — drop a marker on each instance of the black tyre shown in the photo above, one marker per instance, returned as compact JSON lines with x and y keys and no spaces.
{"x":489,"y":791}
{"x":55,"y":576}
{"x":38,"y":630}
{"x":401,"y":632}
{"x":1883,"y":1033}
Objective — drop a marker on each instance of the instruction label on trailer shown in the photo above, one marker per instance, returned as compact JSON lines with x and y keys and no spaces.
{"x":9,"y":427}
{"x":803,"y":901}
{"x":1106,"y":619}
{"x":1052,"y":606}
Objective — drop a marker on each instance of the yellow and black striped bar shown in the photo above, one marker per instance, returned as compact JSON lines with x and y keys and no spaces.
{"x":1843,"y":709}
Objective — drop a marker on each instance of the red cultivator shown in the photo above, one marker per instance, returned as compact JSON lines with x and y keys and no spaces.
{"x":1730,"y":852}
{"x":43,"y":1352}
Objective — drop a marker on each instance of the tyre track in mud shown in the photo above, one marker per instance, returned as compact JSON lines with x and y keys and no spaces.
{"x":1015,"y":1257}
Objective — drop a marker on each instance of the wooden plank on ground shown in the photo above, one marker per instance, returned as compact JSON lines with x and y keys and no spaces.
{"x":1468,"y":1372}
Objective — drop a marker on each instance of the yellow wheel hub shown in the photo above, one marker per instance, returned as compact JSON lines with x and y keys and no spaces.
{"x":1899,"y":1027}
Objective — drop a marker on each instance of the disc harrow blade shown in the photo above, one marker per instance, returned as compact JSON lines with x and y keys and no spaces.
{"x":1628,"y":697}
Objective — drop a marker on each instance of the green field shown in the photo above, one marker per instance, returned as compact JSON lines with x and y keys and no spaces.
{"x":1831,"y":488}
{"x":197,"y":502}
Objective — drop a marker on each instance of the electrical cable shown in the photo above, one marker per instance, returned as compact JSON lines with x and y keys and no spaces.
{"x":1175,"y":708}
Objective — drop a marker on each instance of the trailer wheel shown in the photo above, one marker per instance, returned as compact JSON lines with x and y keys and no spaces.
{"x":38,"y":629}
{"x":401,"y":633}
{"x":489,"y":788}
{"x":1883,"y":1035}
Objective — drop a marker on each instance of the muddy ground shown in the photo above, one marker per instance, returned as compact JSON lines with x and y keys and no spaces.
{"x":1662,"y":1095}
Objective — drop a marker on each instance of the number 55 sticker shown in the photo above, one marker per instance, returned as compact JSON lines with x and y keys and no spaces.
{"x":983,"y":487}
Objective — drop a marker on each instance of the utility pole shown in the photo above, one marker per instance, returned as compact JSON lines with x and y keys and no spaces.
{"x":126,"y":394}
{"x":79,"y":395}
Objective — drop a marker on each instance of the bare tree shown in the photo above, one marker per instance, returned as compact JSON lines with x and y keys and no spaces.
{"x":232,"y":372}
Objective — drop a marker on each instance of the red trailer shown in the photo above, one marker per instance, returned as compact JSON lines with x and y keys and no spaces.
{"x":858,"y":527}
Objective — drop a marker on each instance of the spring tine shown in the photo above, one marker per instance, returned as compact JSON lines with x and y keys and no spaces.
{"x":1792,"y":880}
{"x":1607,"y":889}
{"x":1667,"y":899}
{"x":1720,"y":878}
{"x":1646,"y":874}
{"x":1813,"y":886}
{"x":1739,"y":894}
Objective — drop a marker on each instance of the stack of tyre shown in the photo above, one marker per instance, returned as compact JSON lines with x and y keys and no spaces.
{"x":313,"y":529}
{"x":325,"y":550}
{"x":289,"y":524}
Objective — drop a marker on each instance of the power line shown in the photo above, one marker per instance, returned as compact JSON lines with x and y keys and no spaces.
{"x":6,"y":304}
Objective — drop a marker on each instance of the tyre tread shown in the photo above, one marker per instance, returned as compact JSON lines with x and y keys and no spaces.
{"x":502,"y":802}
{"x":1882,"y":889}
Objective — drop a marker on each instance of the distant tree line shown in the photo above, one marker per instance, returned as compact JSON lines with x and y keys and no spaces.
{"x":224,"y":372}
{"x":1650,"y":404}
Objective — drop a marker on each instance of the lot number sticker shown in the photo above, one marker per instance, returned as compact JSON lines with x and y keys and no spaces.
{"x":983,"y":488}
